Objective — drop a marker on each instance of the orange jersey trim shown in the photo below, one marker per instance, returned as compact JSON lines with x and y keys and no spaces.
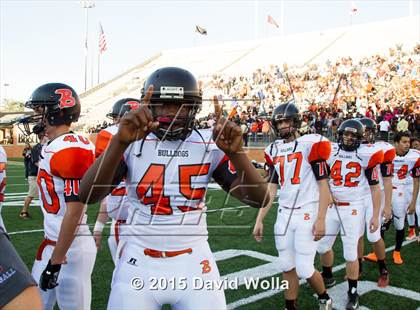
{"x":71,"y":163}
{"x":376,"y":159}
{"x":389,"y":156}
{"x":102,"y":141}
{"x":320,"y":151}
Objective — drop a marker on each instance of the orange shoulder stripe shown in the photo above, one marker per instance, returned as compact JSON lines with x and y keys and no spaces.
{"x":320,"y":151}
{"x":102,"y":141}
{"x":376,"y":159}
{"x":389,"y":156}
{"x":71,"y":163}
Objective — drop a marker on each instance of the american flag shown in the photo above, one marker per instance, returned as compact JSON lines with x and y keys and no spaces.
{"x":271,"y":21}
{"x":102,"y":39}
{"x":354,"y":9}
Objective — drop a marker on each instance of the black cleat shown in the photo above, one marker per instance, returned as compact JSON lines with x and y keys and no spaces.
{"x":329,"y":282}
{"x":353,"y":301}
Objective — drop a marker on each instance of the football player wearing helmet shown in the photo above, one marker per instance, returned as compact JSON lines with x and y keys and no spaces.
{"x":67,"y":254}
{"x":115,"y":204}
{"x":405,"y":192}
{"x":297,"y":165}
{"x":168,"y":164}
{"x":385,"y":181}
{"x":353,"y":168}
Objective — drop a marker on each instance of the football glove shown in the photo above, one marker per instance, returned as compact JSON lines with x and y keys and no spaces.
{"x":49,"y":276}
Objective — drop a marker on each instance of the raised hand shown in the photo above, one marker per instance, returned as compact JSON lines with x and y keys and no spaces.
{"x":226,"y":134}
{"x":138,"y":123}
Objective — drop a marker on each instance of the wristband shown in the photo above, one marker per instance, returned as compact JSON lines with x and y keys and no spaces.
{"x":99,"y":226}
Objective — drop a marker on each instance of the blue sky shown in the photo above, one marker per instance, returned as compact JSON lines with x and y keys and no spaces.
{"x":43,"y":41}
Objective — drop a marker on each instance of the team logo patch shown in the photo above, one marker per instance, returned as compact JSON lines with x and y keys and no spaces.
{"x":206,"y":268}
{"x":66,"y":98}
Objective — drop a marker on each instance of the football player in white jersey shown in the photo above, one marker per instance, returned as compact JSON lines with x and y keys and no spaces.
{"x":298,"y":165}
{"x":168,"y":165}
{"x":411,"y":218}
{"x":115,"y":205}
{"x":385,"y":181}
{"x":403,"y":198}
{"x":353,"y":167}
{"x":65,"y":258}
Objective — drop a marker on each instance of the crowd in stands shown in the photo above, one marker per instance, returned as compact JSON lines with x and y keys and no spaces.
{"x":385,"y":88}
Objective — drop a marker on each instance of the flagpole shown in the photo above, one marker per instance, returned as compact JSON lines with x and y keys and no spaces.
{"x":282,"y":18}
{"x":92,"y":67}
{"x":255,"y":19}
{"x":99,"y":66}
{"x":87,"y":4}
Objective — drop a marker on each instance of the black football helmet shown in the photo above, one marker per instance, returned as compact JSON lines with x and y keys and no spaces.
{"x":354,"y":127}
{"x":173,"y":85}
{"x":288,"y":111}
{"x":123,"y":106}
{"x":370,"y":129}
{"x":56,"y":103}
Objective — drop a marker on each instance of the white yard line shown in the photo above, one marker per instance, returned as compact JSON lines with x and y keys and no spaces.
{"x":269,"y":293}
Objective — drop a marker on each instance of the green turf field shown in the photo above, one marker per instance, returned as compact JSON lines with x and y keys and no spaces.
{"x":238,"y":255}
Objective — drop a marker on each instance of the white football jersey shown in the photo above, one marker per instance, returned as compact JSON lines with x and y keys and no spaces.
{"x":166,"y":188}
{"x":63,"y":162}
{"x":116,"y":202}
{"x":404,"y":165}
{"x":293,"y":166}
{"x":348,"y":181}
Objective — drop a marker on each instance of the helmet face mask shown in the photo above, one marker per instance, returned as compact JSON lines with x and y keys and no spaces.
{"x":176,"y":119}
{"x":350,"y":134}
{"x":175,"y":101}
{"x":286,"y":120}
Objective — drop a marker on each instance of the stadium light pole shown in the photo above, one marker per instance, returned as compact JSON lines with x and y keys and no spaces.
{"x":87,"y":4}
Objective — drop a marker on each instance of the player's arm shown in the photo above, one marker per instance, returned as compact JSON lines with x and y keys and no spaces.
{"x":249,"y":186}
{"x":71,"y":220}
{"x":416,"y":174}
{"x":387,"y":168}
{"x":102,"y":176}
{"x":100,"y":224}
{"x":375,"y":191}
{"x":321,"y":172}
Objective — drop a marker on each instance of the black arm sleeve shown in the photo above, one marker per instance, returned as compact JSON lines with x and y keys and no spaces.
{"x":71,"y":190}
{"x":320,"y":170}
{"x":273,"y":177}
{"x":224,"y":176}
{"x":387,"y":169}
{"x":372,"y":175}
{"x":415,"y":172}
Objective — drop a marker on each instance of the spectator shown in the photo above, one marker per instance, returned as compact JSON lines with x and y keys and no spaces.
{"x":402,"y":125}
{"x":31,"y":172}
{"x":254,"y":130}
{"x":245,"y":131}
{"x":384,"y":127}
{"x":266,"y":131}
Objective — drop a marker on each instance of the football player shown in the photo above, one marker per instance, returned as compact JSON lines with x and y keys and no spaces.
{"x":168,"y":164}
{"x":115,"y":204}
{"x":298,"y":165}
{"x":411,"y":218}
{"x":353,"y":167}
{"x":385,"y":181}
{"x":62,"y":258}
{"x":404,"y":195}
